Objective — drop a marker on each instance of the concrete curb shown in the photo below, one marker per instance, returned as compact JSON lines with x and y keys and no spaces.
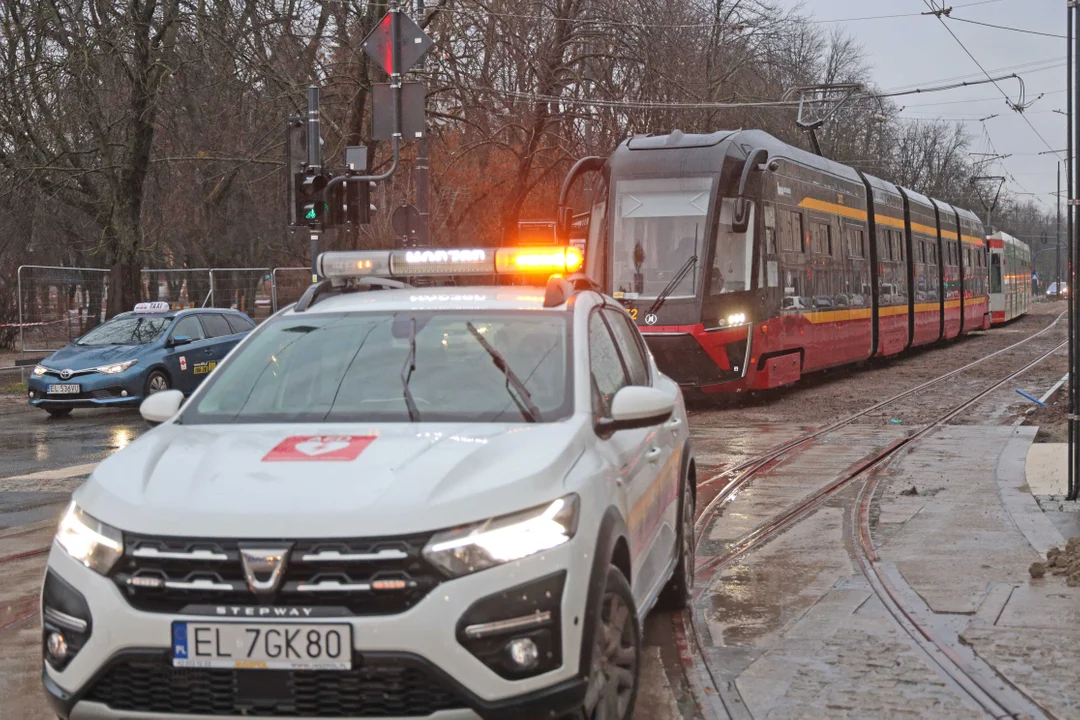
{"x":1019,"y":504}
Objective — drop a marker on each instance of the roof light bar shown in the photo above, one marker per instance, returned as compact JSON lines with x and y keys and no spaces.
{"x":450,"y":261}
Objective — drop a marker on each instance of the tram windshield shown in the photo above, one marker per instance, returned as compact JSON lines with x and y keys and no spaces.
{"x":660,"y":232}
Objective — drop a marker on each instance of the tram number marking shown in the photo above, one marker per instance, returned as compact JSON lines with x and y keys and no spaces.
{"x":633,"y":314}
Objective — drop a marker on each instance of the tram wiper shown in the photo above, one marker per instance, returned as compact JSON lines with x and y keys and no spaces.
{"x":670,"y":287}
{"x":525,"y":406}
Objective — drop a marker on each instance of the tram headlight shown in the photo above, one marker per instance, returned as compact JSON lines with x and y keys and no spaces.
{"x":735,"y":320}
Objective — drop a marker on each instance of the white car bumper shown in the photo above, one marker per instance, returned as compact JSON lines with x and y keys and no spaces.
{"x":424,"y":636}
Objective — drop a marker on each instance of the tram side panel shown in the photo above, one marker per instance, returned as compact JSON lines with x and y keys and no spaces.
{"x":926,"y":290}
{"x":950,"y":255}
{"x":976,"y":304}
{"x":890,"y":260}
{"x":998,"y":297}
{"x":816,"y":255}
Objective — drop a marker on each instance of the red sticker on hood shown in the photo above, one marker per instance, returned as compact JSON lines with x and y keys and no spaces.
{"x":319,"y":447}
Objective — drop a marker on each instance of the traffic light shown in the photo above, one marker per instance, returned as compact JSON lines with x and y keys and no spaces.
{"x":310,"y":208}
{"x":358,"y":202}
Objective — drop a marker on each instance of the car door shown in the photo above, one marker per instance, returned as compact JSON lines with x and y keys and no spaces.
{"x":219,"y":340}
{"x":627,"y":451}
{"x":656,"y":486}
{"x":182,"y":359}
{"x":222,"y":336}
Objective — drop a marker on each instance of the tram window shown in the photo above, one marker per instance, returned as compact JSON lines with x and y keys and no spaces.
{"x":770,"y":239}
{"x":794,"y":297}
{"x":855,"y":243}
{"x":883,"y":245}
{"x":659,"y":229}
{"x":733,"y":255}
{"x":821,"y":239}
{"x":791,"y":231}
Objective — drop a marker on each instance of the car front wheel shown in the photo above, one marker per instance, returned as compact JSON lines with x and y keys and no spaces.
{"x":157,"y":382}
{"x":616,"y":656}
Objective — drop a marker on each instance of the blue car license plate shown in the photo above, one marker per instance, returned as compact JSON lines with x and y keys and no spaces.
{"x":69,"y":389}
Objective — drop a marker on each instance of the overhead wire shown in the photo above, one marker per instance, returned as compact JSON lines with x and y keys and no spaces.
{"x":1006,"y":27}
{"x":1019,"y":109}
{"x":687,"y":26}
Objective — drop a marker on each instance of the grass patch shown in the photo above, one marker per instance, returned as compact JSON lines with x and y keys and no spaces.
{"x":16,"y":389}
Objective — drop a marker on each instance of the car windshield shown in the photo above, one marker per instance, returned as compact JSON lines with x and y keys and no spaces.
{"x":659,"y":226}
{"x":126,"y":331}
{"x":352,"y":367}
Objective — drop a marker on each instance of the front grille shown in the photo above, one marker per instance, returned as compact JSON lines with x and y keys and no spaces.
{"x":360,"y":577}
{"x":375,"y":689}
{"x":107,"y":393}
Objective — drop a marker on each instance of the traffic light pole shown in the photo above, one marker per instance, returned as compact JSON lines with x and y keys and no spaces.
{"x":314,"y":163}
{"x":395,"y":138}
{"x":422,"y":171}
{"x":1073,"y":82}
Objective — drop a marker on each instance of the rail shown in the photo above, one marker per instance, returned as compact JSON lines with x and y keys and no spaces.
{"x":715,"y":696}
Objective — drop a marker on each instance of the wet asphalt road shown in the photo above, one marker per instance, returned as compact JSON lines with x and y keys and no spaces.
{"x":31,"y":442}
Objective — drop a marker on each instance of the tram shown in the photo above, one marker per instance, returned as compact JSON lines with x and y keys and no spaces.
{"x":1010,"y":277}
{"x":747,"y":262}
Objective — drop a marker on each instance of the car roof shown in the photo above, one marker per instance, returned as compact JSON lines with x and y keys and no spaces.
{"x":174,"y":314}
{"x":504,"y":297}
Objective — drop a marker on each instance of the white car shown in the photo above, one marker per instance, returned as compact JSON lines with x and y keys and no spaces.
{"x":386,"y":502}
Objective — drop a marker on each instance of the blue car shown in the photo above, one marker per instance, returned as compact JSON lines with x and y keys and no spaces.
{"x":136,"y":354}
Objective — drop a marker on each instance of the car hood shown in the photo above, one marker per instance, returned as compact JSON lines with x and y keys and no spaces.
{"x":217,"y":480}
{"x":82,"y":357}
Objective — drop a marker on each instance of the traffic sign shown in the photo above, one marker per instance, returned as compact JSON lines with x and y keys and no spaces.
{"x":414,"y":43}
{"x":406,"y":221}
{"x":412,"y":111}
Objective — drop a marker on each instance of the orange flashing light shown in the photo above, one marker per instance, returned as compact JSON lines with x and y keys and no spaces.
{"x":529,"y":260}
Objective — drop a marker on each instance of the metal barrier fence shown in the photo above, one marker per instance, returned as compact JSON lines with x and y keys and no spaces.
{"x":56,"y":304}
{"x":287,"y":285}
{"x":248,"y":290}
{"x":180,"y":287}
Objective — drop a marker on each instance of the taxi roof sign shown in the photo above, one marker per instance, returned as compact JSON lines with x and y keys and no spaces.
{"x":451,"y":261}
{"x":158,"y":306}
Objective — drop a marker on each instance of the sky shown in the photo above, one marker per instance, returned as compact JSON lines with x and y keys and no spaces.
{"x":918,"y":51}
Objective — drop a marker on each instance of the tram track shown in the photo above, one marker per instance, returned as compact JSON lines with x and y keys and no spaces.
{"x":719,"y":698}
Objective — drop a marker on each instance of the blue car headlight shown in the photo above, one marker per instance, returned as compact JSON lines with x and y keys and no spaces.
{"x":40,"y":370}
{"x":116,"y":368}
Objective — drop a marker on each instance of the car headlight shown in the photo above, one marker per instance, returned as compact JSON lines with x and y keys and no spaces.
{"x":470,"y":548}
{"x":88,"y":540}
{"x":40,"y":370}
{"x":116,"y":368}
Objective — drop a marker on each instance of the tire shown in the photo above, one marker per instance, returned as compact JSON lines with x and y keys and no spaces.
{"x":155,"y":381}
{"x":58,"y":412}
{"x":676,"y":594}
{"x":615,"y":673}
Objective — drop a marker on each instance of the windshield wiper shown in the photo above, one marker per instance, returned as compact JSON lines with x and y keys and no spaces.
{"x":526,"y":406}
{"x":670,"y":287}
{"x":406,"y":375}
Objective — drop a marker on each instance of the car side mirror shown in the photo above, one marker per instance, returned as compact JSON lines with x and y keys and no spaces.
{"x":635,"y":407}
{"x":179,"y":340}
{"x":161,"y":406}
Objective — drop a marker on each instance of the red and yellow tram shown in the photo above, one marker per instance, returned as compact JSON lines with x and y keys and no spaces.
{"x":748,"y":262}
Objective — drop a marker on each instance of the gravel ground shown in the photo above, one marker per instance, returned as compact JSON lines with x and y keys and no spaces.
{"x":827,"y":396}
